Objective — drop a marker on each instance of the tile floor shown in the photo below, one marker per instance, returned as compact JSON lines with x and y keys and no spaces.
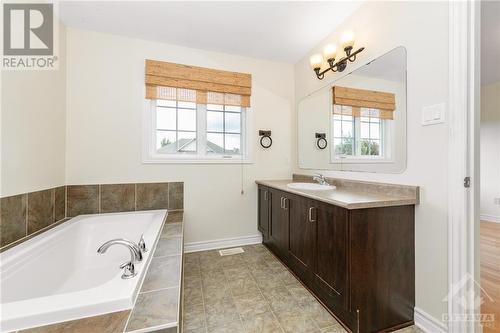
{"x":250,"y":292}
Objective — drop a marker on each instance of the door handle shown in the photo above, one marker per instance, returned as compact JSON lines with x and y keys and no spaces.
{"x":311,"y":214}
{"x":265,"y":195}
{"x":285,"y":200}
{"x":282,"y":203}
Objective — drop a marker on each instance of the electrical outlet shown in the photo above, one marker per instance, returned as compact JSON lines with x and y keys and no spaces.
{"x":496,"y":201}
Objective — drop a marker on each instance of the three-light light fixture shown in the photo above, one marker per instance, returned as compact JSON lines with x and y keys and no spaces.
{"x":329,"y":54}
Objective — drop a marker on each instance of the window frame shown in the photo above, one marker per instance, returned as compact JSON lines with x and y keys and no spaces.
{"x":386,"y":144}
{"x":150,"y":156}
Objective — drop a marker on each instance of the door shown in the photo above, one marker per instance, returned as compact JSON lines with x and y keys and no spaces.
{"x":302,"y":236}
{"x":278,"y":231}
{"x":331,"y":250}
{"x":264,"y":212}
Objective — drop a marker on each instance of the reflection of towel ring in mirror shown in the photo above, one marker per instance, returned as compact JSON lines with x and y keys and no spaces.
{"x":265,"y":136}
{"x":321,"y":142}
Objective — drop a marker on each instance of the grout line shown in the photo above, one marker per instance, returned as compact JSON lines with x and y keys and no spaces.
{"x":53,"y":205}
{"x":99,"y":198}
{"x":66,"y":201}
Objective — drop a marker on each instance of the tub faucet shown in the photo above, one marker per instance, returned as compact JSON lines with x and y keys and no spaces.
{"x":320,"y":179}
{"x":135,"y":255}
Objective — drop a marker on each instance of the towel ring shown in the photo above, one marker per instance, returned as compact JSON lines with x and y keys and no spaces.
{"x":321,"y":142}
{"x":263,"y":139}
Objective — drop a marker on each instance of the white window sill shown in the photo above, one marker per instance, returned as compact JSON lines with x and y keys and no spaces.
{"x":361,"y":161}
{"x":194,"y":160}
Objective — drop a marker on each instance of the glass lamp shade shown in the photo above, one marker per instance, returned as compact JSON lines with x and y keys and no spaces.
{"x":316,"y":60}
{"x":330,"y":51}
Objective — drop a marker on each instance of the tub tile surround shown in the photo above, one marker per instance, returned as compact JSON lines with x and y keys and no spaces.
{"x":26,"y":215}
{"x":157,"y":307}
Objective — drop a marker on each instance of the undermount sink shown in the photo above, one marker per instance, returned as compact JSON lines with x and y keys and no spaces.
{"x":310,"y":186}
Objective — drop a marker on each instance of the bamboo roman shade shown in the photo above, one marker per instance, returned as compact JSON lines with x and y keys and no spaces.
{"x":364,"y":103}
{"x":165,"y":80}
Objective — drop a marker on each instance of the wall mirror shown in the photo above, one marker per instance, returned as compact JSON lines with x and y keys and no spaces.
{"x":358,"y":122}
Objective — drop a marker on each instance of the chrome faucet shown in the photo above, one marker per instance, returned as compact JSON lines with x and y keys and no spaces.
{"x":135,"y":255}
{"x":320,"y":179}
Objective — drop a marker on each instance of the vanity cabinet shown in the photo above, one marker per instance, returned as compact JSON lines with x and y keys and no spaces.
{"x":264,"y":211}
{"x":358,"y":262}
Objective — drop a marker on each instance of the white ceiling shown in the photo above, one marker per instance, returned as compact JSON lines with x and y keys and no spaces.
{"x":490,"y":41}
{"x":279,"y":31}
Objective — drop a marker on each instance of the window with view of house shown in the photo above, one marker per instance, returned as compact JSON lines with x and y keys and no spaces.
{"x":195,"y":124}
{"x":360,"y":128}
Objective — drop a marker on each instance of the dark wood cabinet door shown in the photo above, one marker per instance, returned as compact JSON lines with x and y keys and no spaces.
{"x":331,"y":253}
{"x":264,"y":211}
{"x":302,"y":236}
{"x":278,"y":231}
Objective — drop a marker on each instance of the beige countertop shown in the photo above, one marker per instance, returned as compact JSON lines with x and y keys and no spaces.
{"x":363,"y":195}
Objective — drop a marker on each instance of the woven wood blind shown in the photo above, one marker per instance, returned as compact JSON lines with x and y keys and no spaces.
{"x":209,"y":85}
{"x":364,"y":103}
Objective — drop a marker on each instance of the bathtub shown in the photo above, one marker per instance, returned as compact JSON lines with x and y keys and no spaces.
{"x":59,"y":276}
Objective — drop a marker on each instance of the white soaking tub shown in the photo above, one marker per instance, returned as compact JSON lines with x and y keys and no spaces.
{"x":59,"y":276}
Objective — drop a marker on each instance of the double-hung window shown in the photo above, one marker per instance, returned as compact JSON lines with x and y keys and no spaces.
{"x":184,"y":125}
{"x":361,"y":125}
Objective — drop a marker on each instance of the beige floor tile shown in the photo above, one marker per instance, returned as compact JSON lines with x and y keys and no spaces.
{"x":194,"y":317}
{"x":193,"y":295}
{"x":221,"y":313}
{"x":280,"y":299}
{"x":242,"y":286}
{"x":334,"y":329}
{"x":319,"y":314}
{"x":196,"y":330}
{"x":261,"y":323}
{"x":301,"y":294}
{"x":232,"y":327}
{"x":251,"y":304}
{"x":294,"y":321}
{"x":216,"y":292}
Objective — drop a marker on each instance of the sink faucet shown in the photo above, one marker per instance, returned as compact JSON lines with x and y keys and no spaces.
{"x":135,"y":255}
{"x":320,"y":179}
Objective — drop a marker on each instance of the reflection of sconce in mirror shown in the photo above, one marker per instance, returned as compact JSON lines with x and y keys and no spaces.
{"x":321,"y":142}
{"x":329,"y":54}
{"x":265,"y":140}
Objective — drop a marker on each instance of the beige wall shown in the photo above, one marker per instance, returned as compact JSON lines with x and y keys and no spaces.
{"x":105,"y":105}
{"x":422,"y":27}
{"x":33,"y":128}
{"x":490,"y":151}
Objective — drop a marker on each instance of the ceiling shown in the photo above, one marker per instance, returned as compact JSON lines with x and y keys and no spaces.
{"x":279,"y":31}
{"x":490,"y":41}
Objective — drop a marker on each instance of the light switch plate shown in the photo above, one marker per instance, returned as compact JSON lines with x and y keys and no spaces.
{"x":433,"y":114}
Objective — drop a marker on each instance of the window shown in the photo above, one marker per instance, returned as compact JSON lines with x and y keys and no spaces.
{"x":195,"y":114}
{"x":184,"y":130}
{"x":358,"y":133}
{"x":176,"y":130}
{"x":224,"y":124}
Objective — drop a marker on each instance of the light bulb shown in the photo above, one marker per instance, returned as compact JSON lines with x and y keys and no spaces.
{"x":347,"y":39}
{"x":316,"y":60}
{"x":330,"y":51}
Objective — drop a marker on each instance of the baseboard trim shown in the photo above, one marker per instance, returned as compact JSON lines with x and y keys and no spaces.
{"x":490,"y":218}
{"x":428,"y":323}
{"x":222,"y":243}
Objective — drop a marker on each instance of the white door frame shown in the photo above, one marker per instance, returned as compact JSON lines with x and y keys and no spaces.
{"x":463,"y":159}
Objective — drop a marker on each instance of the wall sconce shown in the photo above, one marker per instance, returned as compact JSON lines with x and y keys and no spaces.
{"x":330,"y":52}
